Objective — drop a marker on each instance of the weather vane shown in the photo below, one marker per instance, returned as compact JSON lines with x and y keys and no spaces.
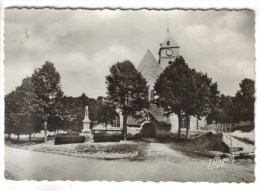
{"x":167,"y":22}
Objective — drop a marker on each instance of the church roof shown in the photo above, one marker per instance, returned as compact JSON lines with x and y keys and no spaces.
{"x":156,"y":113}
{"x":169,"y":41}
{"x":138,"y":119}
{"x":150,"y":68}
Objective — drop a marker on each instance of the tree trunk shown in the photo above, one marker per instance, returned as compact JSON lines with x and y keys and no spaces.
{"x":30,"y":137}
{"x":197,"y":124}
{"x":45,"y":131}
{"x":9,"y":136}
{"x":187,"y":126}
{"x":124,"y":127}
{"x":18,"y":137}
{"x":179,"y":128}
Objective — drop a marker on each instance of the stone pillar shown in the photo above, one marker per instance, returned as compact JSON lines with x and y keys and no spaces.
{"x":193,"y":123}
{"x":120,"y":118}
{"x":86,"y":122}
{"x":174,"y":123}
{"x":86,"y":126}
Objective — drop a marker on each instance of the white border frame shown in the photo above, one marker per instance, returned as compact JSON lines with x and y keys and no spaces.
{"x":134,"y":4}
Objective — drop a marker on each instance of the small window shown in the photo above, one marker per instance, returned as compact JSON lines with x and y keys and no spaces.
{"x":170,"y":62}
{"x":168,"y":43}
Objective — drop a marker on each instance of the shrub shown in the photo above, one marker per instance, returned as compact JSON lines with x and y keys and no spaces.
{"x":67,"y":139}
{"x":101,"y":137}
{"x":136,"y":136}
{"x":163,"y":133}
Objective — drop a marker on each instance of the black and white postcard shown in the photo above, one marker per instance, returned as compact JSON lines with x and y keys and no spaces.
{"x":129,"y":95}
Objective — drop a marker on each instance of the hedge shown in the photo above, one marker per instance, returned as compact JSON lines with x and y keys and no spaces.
{"x":107,"y":137}
{"x":67,"y":139}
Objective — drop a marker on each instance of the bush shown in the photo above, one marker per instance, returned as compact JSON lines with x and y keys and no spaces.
{"x":100,"y":137}
{"x":136,"y":136}
{"x":67,"y":139}
{"x":163,"y":134}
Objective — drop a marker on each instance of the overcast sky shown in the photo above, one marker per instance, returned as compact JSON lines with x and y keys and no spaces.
{"x":83,"y":44}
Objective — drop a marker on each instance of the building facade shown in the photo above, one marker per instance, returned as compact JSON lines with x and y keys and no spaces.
{"x":151,"y":70}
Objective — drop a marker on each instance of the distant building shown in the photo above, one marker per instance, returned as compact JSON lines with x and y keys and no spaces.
{"x":151,"y":70}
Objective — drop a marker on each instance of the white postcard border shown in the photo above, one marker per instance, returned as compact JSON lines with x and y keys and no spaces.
{"x":102,"y":185}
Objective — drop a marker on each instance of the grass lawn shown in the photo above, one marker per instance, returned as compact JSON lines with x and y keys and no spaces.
{"x":204,"y":144}
{"x":247,"y":137}
{"x":133,"y":150}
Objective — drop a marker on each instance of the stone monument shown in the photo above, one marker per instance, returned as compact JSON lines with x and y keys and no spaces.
{"x":120,"y":117}
{"x":86,"y":122}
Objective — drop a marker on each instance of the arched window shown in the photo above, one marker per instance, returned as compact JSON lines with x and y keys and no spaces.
{"x":168,"y":43}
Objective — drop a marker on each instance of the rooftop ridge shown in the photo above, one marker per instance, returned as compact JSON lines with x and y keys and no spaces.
{"x":169,"y":41}
{"x":150,"y":68}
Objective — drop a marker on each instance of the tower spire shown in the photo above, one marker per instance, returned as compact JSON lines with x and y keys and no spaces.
{"x":167,"y":22}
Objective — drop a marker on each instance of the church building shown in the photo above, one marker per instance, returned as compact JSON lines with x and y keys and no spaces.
{"x":151,"y":70}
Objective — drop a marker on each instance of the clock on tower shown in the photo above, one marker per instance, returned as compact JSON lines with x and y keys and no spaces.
{"x":169,"y":50}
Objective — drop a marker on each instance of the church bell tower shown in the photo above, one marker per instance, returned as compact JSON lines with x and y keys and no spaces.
{"x":168,"y":51}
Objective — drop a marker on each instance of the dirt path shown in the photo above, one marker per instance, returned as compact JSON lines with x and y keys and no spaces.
{"x":159,"y":151}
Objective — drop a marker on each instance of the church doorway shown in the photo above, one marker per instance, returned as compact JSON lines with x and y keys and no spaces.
{"x":148,"y":131}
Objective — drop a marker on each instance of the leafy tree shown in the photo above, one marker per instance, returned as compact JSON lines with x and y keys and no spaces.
{"x":30,"y":119}
{"x":72,"y":113}
{"x":185,"y":92}
{"x":47,"y":86}
{"x":106,"y":112}
{"x":235,"y":109}
{"x":127,"y":89}
{"x":171,"y":87}
{"x":202,"y":93}
{"x":11,"y":115}
{"x":224,"y":111}
{"x":244,"y":100}
{"x":56,"y":121}
{"x":21,"y":116}
{"x":214,"y":95}
{"x":72,"y":110}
